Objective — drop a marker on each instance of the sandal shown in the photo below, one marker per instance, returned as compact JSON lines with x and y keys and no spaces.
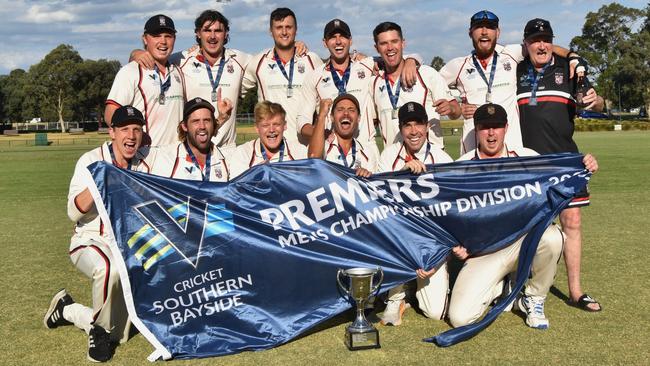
{"x":583,"y":303}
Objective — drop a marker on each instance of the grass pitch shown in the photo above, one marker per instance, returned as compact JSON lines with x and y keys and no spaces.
{"x":35,"y":233}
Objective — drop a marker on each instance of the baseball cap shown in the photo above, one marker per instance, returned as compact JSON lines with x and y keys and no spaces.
{"x":412,"y":111}
{"x":484,"y":17}
{"x":194,"y":104}
{"x":336,"y":26}
{"x":538,"y":27}
{"x":158,"y":24}
{"x":349,"y":97}
{"x":492,"y":114}
{"x":126,"y":115}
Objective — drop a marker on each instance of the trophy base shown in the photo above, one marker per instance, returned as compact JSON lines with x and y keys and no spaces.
{"x":362,"y":340}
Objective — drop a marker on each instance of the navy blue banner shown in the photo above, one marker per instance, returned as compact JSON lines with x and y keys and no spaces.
{"x":216,"y":268}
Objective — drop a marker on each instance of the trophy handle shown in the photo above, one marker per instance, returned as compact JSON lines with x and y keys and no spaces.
{"x":381,"y":278}
{"x":338,"y":279}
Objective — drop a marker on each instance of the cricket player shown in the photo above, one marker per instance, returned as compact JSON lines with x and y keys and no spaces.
{"x":209,"y":69}
{"x":340,"y":146}
{"x":412,"y":154}
{"x":488,"y":75}
{"x":389,"y":93}
{"x":107,"y":321}
{"x":480,"y":280}
{"x":158,"y":93}
{"x":196,"y":157}
{"x":270,"y":146}
{"x":547,"y":108}
{"x":279,"y":73}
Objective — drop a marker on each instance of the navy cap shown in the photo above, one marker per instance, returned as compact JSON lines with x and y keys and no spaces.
{"x":159,"y":24}
{"x":538,"y":27}
{"x":492,"y":114}
{"x":410,"y":112}
{"x":126,"y":115}
{"x":336,"y":26}
{"x":194,"y":104}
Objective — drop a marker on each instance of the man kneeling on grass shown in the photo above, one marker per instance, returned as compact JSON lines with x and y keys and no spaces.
{"x":106,"y":323}
{"x":480,"y":281}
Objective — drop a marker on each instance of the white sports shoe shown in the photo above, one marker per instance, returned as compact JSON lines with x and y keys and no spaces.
{"x":533,"y":307}
{"x":393,"y":313}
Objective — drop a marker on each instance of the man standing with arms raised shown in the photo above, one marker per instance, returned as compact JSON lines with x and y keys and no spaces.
{"x":389,"y":93}
{"x":547,"y":109}
{"x":280,"y":72}
{"x":157,"y":93}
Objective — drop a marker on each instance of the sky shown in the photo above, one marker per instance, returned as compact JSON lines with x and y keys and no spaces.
{"x":111,"y":29}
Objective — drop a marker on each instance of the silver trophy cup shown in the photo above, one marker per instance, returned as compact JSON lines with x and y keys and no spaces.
{"x":361,"y":334}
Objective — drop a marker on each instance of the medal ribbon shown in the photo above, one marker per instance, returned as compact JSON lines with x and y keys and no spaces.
{"x":492,"y":71}
{"x":345,"y":158}
{"x":168,"y":83}
{"x":393,"y":97}
{"x":110,"y":150}
{"x":281,"y":67}
{"x":341,"y":84}
{"x":266,"y":156}
{"x":206,"y":176}
{"x":534,"y":79}
{"x":215,"y":84}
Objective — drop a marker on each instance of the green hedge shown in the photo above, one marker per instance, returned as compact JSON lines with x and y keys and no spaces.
{"x":608,"y":125}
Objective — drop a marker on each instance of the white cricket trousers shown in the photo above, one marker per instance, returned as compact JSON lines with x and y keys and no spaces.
{"x":431,"y":293}
{"x":109,"y":310}
{"x":480,"y":280}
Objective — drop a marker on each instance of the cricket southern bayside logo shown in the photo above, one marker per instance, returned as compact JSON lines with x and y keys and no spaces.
{"x":181,"y":228}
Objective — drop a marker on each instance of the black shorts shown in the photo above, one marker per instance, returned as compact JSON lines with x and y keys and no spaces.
{"x":581,"y":198}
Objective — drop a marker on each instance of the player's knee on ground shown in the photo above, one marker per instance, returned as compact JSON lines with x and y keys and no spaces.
{"x":460,"y":316}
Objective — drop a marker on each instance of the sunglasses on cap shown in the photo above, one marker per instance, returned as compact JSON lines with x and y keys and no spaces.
{"x":486,"y":18}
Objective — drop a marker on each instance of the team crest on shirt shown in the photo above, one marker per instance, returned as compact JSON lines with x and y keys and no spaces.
{"x":381,"y":88}
{"x":507,"y":66}
{"x":301,"y":68}
{"x":230,"y":68}
{"x":326,"y":80}
{"x":559,"y":78}
{"x":218,"y":172}
{"x":361,"y":74}
{"x":469,"y":71}
{"x":196,"y":65}
{"x":272,"y":66}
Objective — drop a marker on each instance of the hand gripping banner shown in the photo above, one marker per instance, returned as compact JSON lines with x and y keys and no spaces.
{"x":217,"y":268}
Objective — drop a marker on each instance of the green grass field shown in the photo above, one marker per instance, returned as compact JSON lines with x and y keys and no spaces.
{"x":35,"y":233}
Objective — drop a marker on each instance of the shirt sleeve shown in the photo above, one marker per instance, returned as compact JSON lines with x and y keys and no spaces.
{"x":78,"y":184}
{"x":124,"y":85}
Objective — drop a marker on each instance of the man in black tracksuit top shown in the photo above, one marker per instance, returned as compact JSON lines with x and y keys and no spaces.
{"x":546,"y":110}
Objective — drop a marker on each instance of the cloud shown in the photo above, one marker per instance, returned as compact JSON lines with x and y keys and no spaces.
{"x":43,"y":14}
